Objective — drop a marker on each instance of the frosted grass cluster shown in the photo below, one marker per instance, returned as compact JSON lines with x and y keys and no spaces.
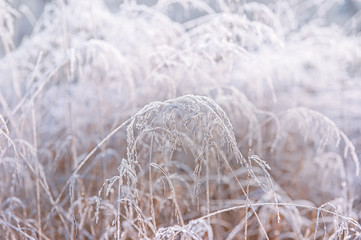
{"x":182,"y":119}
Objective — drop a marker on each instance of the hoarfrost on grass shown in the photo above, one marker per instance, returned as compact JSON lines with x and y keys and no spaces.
{"x":180,"y":119}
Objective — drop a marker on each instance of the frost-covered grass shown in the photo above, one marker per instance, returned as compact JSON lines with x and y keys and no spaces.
{"x":180,"y":120}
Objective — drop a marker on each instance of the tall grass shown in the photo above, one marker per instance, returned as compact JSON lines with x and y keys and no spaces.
{"x":180,"y":120}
